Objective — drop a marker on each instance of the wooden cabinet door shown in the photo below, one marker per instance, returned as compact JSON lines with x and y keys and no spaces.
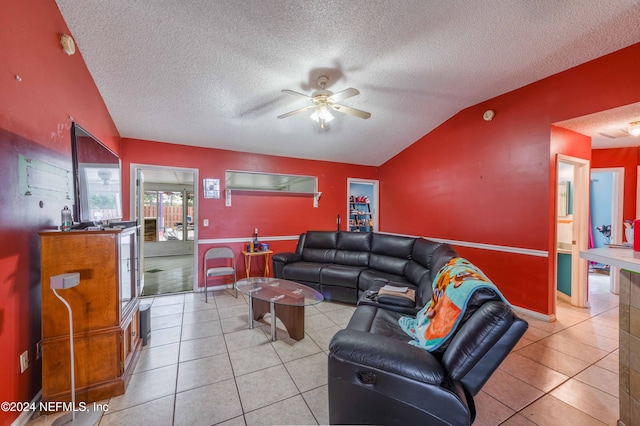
{"x":130,"y":341}
{"x":94,"y":300}
{"x":96,"y":361}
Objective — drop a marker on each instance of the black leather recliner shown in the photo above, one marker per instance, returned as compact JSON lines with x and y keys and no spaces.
{"x":377,"y":377}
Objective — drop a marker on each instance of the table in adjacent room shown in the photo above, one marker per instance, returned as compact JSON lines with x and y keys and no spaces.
{"x":282,"y":299}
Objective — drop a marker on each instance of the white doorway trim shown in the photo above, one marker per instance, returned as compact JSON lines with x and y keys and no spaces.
{"x":637,"y":192}
{"x":376,"y":200}
{"x":617,"y":227}
{"x":579,"y":268}
{"x":133,"y":173}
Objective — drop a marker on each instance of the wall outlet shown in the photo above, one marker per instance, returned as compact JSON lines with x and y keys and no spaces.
{"x":205,"y":222}
{"x":24,"y":361}
{"x":39,"y":350}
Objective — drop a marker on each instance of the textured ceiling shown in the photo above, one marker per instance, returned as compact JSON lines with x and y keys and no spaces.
{"x":607,"y":128}
{"x":210,"y":73}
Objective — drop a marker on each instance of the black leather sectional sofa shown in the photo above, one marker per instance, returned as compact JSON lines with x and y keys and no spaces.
{"x":344,"y":265}
{"x":375,"y":376}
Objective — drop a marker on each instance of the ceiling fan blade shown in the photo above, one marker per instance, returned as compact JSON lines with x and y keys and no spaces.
{"x":292,"y":92}
{"x":344,"y":94}
{"x":351,"y":111}
{"x":290,"y":113}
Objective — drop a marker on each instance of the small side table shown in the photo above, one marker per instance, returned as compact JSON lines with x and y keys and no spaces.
{"x":248,"y":255}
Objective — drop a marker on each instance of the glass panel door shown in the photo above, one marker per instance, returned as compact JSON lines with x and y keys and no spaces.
{"x":168,"y":215}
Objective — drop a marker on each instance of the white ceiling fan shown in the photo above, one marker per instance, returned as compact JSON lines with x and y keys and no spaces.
{"x":324,"y":100}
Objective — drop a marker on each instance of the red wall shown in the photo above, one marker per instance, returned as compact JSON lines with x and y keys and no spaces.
{"x":468,"y":180}
{"x":34,"y":122}
{"x":274,"y":215}
{"x":490,"y":182}
{"x":629,"y":158}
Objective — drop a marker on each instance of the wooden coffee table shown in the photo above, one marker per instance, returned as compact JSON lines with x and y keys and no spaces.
{"x":282,"y":299}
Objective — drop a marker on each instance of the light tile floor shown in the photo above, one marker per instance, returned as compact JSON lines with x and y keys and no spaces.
{"x":203,"y":366}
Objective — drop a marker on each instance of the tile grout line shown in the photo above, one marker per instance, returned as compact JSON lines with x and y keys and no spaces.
{"x":175,"y":393}
{"x":568,"y":377}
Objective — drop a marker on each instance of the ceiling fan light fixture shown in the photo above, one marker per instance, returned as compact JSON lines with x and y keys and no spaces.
{"x":634,"y":128}
{"x":323,"y":101}
{"x":321,"y":113}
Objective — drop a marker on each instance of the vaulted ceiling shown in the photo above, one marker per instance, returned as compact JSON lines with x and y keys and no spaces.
{"x":210,"y":73}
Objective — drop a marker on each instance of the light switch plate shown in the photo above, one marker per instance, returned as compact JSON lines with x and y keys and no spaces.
{"x":24,"y":361}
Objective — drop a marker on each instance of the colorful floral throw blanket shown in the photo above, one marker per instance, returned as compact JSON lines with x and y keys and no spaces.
{"x":452,"y":288}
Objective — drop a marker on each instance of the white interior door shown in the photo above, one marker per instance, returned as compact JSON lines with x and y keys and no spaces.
{"x":580,"y":229}
{"x":139,"y":212}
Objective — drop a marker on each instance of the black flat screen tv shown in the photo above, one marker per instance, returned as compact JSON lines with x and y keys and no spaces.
{"x":97,"y":179}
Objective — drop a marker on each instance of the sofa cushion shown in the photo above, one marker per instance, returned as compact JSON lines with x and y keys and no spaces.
{"x":425,"y":256}
{"x":321,"y":239}
{"x":302,"y":271}
{"x":353,"y":258}
{"x":377,"y":321}
{"x":423,"y":250}
{"x":417,"y":274}
{"x":342,"y":275}
{"x":353,"y":248}
{"x":319,"y":246}
{"x":318,"y":255}
{"x":388,"y":264}
{"x":390,"y":253}
{"x":392,"y":245}
{"x":368,"y":277}
{"x":354,"y":241}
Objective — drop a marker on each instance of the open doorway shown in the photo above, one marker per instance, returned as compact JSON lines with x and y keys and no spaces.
{"x":572,"y":229}
{"x":606,"y":131}
{"x":362,"y":205}
{"x":606,"y":197}
{"x":165,"y":202}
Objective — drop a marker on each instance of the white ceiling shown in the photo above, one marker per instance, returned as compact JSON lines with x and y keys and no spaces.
{"x":607,"y":128}
{"x":210,"y":73}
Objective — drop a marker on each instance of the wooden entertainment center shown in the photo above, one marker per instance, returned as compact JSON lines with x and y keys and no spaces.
{"x":105,"y":313}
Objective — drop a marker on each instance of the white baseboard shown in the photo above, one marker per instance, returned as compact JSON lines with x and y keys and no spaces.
{"x":564,"y":297}
{"x":25,"y":416}
{"x":534,"y":314}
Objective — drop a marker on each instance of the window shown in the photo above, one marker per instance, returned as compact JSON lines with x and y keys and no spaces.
{"x":173,"y":214}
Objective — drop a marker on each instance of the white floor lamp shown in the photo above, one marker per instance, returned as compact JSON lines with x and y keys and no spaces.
{"x":86,"y":416}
